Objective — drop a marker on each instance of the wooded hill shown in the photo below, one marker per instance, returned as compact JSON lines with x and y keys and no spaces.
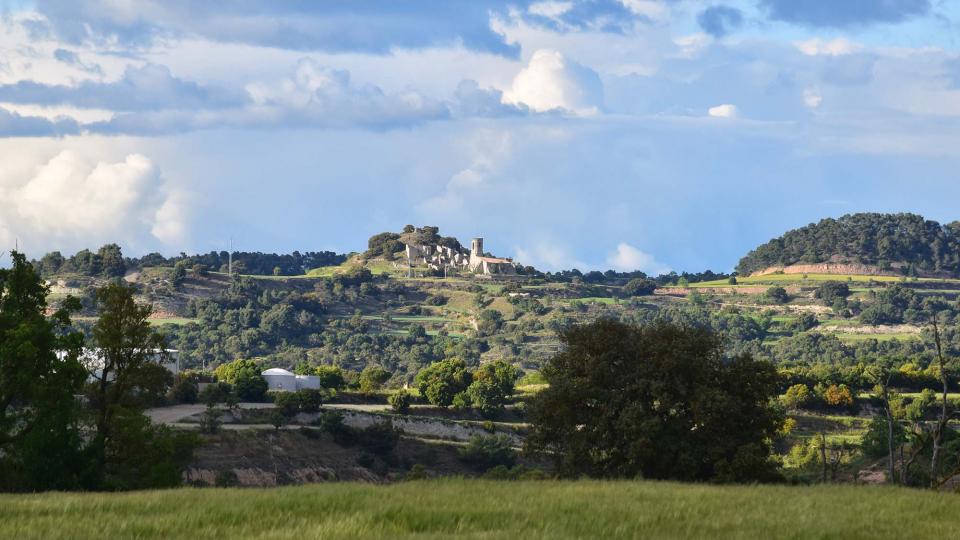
{"x":905,"y":244}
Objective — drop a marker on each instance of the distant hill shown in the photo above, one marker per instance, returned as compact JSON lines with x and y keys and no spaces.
{"x":904,"y":244}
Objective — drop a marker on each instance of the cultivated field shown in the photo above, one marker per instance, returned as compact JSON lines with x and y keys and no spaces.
{"x":484,"y":509}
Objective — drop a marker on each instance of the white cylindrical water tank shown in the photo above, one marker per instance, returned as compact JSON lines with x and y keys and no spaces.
{"x":311,"y":382}
{"x":280,"y":380}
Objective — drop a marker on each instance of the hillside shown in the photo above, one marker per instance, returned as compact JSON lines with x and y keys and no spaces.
{"x":375,"y":309}
{"x":823,"y":331}
{"x":891,"y":244}
{"x":440,"y":509}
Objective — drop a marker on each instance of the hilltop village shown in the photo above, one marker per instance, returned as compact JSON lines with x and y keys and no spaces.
{"x":439,"y":258}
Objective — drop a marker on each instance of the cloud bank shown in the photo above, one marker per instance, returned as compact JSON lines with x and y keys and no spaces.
{"x":71,"y":201}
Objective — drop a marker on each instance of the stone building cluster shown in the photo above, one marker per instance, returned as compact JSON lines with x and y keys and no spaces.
{"x":441,"y":258}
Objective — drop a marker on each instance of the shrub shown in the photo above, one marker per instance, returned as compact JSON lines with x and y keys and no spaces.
{"x":461,"y":401}
{"x":331,"y":421}
{"x":251,"y":388}
{"x":492,"y":384}
{"x":436,"y":300}
{"x":288,"y":403}
{"x":278,"y":419}
{"x":804,"y":322}
{"x":372,"y":379}
{"x":380,"y":438}
{"x":310,"y":400}
{"x":797,"y":396}
{"x":215,"y":393}
{"x":416,"y":472}
{"x":803,"y":454}
{"x":639,"y":287}
{"x":838,"y":396}
{"x":400,"y":402}
{"x":245,"y":377}
{"x":210,"y":420}
{"x":441,"y":381}
{"x":830,"y":292}
{"x":489,"y":322}
{"x":483,"y":452}
{"x":226,"y":478}
{"x":183,"y":391}
{"x":777,"y":295}
{"x":500,"y":472}
{"x":331,"y":377}
{"x":874,"y":441}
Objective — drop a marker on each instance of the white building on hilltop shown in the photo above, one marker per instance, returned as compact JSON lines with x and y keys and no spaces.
{"x":440,"y":257}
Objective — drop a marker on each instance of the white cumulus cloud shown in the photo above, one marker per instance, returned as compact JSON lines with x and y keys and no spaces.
{"x":812,"y":98}
{"x":550,"y":9}
{"x":73,"y":202}
{"x":628,"y":258}
{"x":833,"y":47}
{"x":551,"y":81}
{"x":724,"y":111}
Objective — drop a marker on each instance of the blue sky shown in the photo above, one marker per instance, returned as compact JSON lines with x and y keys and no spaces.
{"x":632,"y":134}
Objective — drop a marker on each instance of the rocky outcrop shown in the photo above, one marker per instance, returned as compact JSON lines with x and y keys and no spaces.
{"x":827,"y":268}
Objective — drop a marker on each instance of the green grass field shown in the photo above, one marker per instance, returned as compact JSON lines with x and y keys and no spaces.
{"x":480,"y":509}
{"x":592,"y":300}
{"x":178,"y":321}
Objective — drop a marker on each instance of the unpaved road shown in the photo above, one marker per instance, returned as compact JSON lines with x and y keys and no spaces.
{"x":175,"y":413}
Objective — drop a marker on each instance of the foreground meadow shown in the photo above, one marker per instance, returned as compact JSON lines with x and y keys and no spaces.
{"x":472,"y":508}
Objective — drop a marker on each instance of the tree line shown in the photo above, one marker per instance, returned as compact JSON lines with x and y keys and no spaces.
{"x":108,"y":262}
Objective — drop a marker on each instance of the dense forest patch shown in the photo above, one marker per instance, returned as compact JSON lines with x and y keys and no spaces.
{"x":901,"y":243}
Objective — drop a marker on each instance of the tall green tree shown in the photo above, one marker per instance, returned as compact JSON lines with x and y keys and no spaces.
{"x":372,"y":379}
{"x":441,"y":381}
{"x":245,"y":377}
{"x":125,"y":343}
{"x":492,"y":385}
{"x":658,"y":401}
{"x":111,"y":261}
{"x":128,"y":451}
{"x":39,"y":376}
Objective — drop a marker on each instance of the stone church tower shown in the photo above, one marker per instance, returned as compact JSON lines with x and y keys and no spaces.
{"x":476,"y":247}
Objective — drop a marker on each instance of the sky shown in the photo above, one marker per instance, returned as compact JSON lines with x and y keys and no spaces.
{"x":649,"y":135}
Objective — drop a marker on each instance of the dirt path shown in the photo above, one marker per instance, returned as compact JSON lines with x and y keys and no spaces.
{"x":172,"y":415}
{"x":362,"y":407}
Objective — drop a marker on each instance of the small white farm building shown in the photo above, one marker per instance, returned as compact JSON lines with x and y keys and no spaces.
{"x":93,"y":360}
{"x":281,"y":380}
